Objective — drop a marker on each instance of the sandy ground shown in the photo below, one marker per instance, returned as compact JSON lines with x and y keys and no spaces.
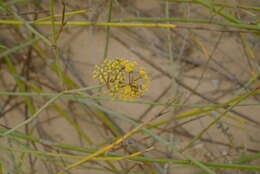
{"x":85,"y":48}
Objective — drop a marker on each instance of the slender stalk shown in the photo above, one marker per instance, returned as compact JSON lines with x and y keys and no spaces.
{"x":108,"y":28}
{"x":35,"y":115}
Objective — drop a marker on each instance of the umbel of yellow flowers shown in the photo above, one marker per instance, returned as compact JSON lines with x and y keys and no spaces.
{"x":122,"y":78}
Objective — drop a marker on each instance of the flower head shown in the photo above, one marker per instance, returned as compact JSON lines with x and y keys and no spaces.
{"x":122,"y":78}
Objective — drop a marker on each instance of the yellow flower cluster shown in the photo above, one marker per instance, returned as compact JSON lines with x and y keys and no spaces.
{"x":122,"y":78}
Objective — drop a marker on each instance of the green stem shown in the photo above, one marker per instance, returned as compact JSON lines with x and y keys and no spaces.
{"x":220,"y":4}
{"x":188,"y":20}
{"x":120,"y":24}
{"x":137,"y":158}
{"x":34,"y":116}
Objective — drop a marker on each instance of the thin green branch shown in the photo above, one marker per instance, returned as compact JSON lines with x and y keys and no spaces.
{"x":220,"y":4}
{"x":111,"y":154}
{"x":121,"y":22}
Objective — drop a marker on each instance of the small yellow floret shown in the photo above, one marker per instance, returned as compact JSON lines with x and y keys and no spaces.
{"x":122,"y":78}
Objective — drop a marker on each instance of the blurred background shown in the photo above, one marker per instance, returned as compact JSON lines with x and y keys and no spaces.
{"x":204,"y":74}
